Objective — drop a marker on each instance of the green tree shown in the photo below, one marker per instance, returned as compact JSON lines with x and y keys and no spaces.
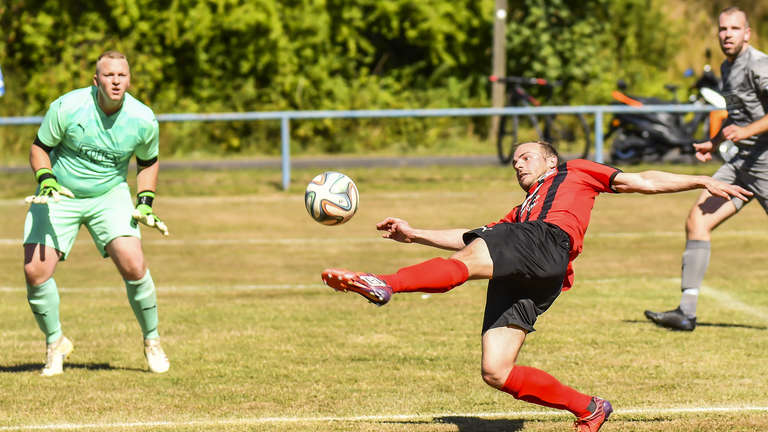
{"x":260,"y":55}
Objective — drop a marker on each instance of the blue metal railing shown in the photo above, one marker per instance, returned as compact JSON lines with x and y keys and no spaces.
{"x":286,"y":116}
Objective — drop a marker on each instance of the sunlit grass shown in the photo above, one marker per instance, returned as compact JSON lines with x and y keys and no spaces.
{"x":253,"y":335}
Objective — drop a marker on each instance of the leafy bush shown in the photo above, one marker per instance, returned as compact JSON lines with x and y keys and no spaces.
{"x":262,"y":55}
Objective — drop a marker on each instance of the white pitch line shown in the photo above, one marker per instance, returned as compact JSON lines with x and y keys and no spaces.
{"x":373,"y":418}
{"x":180,"y":288}
{"x":261,"y":241}
{"x":255,"y":241}
{"x":708,"y":291}
{"x":281,"y":197}
{"x":374,"y":238}
{"x":722,"y":297}
{"x":733,"y":303}
{"x":681,"y":234}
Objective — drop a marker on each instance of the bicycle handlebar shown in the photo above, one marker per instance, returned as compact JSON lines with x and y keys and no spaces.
{"x":525,"y":81}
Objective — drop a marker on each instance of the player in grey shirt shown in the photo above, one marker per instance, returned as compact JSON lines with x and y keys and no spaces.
{"x":745,"y":87}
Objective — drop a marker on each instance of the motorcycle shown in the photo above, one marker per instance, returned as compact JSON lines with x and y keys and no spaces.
{"x":650,"y":137}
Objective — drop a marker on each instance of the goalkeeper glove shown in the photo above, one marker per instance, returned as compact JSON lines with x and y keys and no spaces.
{"x":49,"y":187}
{"x":144,"y":214}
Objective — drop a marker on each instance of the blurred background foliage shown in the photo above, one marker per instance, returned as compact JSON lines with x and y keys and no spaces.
{"x":262,"y":55}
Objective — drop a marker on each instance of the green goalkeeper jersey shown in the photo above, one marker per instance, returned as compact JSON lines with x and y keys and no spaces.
{"x":91,"y":150}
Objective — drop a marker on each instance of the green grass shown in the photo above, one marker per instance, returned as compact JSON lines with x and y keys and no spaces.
{"x":258,"y":343}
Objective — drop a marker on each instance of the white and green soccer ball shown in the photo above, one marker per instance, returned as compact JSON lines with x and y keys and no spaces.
{"x":331,"y":198}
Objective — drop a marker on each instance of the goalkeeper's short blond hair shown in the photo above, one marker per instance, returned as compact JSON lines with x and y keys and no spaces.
{"x":111,"y":54}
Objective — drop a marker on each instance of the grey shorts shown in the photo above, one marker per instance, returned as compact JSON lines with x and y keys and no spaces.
{"x":748,"y":169}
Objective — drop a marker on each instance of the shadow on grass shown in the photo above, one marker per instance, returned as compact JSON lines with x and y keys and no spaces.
{"x":30,"y":367}
{"x":705,"y":324}
{"x":477,"y":424}
{"x":470,"y":424}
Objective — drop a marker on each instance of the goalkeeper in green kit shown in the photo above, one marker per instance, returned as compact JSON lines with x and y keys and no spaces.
{"x":80,"y":159}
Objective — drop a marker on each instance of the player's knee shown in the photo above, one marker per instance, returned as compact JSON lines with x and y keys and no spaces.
{"x":695,"y":226}
{"x":36,"y":274}
{"x":133,"y":270}
{"x":492,"y":378}
{"x":477,"y":261}
{"x":495,"y":374}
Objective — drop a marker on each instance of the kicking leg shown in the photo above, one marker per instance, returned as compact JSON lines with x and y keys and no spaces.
{"x":432,"y":276}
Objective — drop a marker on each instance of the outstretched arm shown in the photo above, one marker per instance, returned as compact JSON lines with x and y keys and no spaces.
{"x":655,"y":182}
{"x":400,"y":230}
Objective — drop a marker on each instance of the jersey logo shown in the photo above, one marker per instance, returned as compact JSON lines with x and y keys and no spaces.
{"x":103,"y":157}
{"x":530,"y":202}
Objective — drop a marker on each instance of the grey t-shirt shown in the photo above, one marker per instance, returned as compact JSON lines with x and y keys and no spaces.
{"x":745,"y":88}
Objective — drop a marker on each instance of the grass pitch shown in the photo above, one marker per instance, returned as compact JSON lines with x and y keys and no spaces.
{"x":256,"y":342}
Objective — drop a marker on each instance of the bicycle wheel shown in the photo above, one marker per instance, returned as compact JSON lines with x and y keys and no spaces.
{"x":514,"y":130}
{"x":569,"y":134}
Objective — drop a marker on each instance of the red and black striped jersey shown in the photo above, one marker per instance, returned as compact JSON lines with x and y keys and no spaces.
{"x":564,"y":196}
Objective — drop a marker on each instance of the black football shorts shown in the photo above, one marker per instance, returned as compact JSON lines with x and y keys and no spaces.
{"x":530,"y":260}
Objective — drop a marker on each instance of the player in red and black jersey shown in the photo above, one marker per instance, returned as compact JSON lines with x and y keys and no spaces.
{"x":526,"y":256}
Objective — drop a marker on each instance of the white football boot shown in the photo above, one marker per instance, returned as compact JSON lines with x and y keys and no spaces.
{"x":156,"y":358}
{"x":55,"y":354}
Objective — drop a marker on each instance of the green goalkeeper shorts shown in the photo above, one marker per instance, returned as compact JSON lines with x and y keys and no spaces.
{"x":107,"y":217}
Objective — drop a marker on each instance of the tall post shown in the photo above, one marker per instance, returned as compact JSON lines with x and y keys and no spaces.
{"x":499,"y":61}
{"x":599,"y":136}
{"x":285,"y":135}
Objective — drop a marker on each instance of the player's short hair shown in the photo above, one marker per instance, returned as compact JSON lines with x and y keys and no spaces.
{"x":732,"y":10}
{"x":549,"y":149}
{"x":112,"y":54}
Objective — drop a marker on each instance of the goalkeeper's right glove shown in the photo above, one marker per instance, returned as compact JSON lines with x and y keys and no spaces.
{"x":49,"y":187}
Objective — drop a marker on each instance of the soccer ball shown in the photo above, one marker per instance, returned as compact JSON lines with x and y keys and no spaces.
{"x":331,"y":198}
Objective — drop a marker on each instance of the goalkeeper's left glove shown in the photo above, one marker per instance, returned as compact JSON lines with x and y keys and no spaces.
{"x":144,"y":214}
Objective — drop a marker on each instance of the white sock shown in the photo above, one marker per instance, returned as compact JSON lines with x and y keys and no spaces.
{"x":688,"y":302}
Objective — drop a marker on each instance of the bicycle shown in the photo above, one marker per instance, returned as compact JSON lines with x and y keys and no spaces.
{"x":557,"y":131}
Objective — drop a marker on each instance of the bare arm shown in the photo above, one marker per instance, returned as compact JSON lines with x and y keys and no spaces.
{"x":400,"y":230}
{"x":656,"y":182}
{"x":730,"y":132}
{"x":146,"y":178}
{"x":738,"y":133}
{"x":38,"y":158}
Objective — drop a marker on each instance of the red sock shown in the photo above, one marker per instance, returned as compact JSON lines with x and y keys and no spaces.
{"x":433,"y":276}
{"x":536,"y":386}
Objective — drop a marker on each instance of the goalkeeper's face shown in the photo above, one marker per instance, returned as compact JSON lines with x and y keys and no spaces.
{"x":112,"y":78}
